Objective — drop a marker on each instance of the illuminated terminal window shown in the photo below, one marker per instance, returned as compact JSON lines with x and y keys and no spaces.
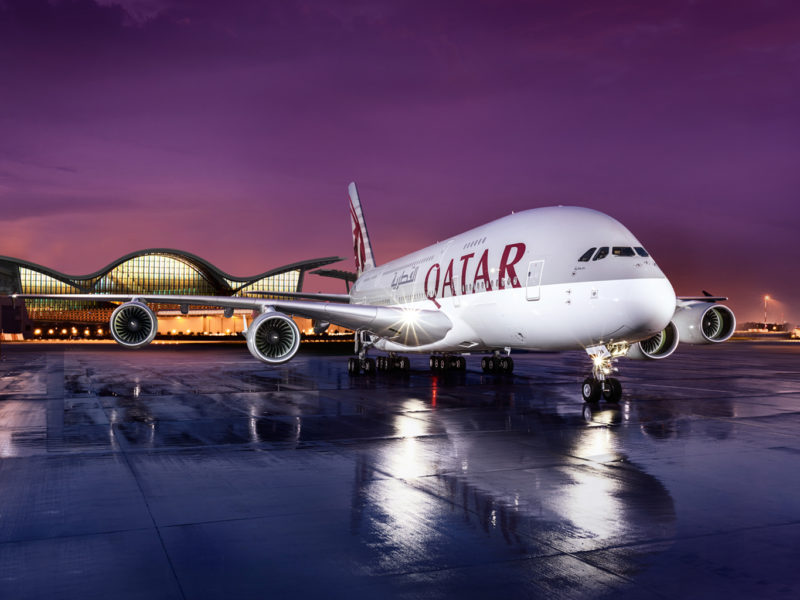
{"x":282,"y":282}
{"x":34,"y":282}
{"x":154,"y":274}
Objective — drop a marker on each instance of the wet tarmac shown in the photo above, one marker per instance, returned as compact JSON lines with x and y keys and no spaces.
{"x":197,"y":472}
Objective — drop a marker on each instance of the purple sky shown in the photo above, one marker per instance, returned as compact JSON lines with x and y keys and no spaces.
{"x":231,"y":129}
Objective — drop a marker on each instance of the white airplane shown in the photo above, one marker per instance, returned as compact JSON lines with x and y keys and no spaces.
{"x":555,"y":278}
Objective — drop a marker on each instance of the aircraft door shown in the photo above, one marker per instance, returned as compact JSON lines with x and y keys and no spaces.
{"x":534,"y":284}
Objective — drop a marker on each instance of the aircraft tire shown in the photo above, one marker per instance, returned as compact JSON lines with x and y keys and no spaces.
{"x":368,"y":366}
{"x":353,"y":366}
{"x":506,"y":365}
{"x":613,"y":390}
{"x":590,"y":390}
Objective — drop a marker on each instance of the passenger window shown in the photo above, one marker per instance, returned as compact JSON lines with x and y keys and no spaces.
{"x":641,"y":251}
{"x":587,"y":255}
{"x":622,"y":251}
{"x":602,"y":253}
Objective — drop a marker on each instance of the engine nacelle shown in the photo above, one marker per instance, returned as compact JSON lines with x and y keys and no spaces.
{"x":133,"y":324}
{"x":661,"y":345}
{"x":273,"y":338}
{"x":704,"y":323}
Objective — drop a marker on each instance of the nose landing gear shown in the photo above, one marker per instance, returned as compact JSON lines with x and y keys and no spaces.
{"x":600,"y":383}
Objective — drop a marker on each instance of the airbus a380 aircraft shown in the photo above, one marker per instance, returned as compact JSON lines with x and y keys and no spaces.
{"x":556,"y":278}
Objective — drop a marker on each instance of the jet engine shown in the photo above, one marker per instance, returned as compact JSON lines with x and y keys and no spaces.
{"x":133,"y":324}
{"x":273,"y":338}
{"x":661,"y":345}
{"x":704,"y":323}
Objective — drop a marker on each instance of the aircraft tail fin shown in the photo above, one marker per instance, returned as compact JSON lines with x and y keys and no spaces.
{"x":362,"y":247}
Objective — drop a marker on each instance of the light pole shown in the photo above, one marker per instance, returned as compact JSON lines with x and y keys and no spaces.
{"x":765,"y":312}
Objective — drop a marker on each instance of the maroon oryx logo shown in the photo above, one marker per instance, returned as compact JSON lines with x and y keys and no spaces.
{"x":358,"y":240}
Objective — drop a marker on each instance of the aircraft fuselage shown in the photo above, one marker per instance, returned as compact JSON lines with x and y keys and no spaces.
{"x":517,"y":282}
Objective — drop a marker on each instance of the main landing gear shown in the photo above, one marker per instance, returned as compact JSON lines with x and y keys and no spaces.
{"x":447,"y":362}
{"x":499,"y":365}
{"x":600,"y":384}
{"x":368,"y":366}
{"x":357,"y":365}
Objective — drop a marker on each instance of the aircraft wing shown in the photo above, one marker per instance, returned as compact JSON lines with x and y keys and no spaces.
{"x":687,"y":300}
{"x":404,"y":326}
{"x":339,"y":298}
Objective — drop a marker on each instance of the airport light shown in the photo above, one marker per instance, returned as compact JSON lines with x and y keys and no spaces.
{"x":765,"y":311}
{"x":50,"y":332}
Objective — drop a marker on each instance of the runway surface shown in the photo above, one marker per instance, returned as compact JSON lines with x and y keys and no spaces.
{"x":197,"y":472}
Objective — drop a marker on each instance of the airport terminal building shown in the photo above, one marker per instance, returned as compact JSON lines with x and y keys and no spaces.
{"x":152,"y":271}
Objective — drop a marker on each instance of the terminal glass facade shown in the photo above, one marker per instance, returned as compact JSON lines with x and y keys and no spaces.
{"x":154,"y":274}
{"x":154,"y":271}
{"x":282,"y":282}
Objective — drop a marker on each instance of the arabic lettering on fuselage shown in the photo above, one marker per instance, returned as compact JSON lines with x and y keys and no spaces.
{"x":404,"y":277}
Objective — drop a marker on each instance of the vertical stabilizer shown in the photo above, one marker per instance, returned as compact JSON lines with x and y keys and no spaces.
{"x":362,"y":247}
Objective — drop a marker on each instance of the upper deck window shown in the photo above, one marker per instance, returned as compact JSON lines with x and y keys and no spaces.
{"x":622,"y":251}
{"x":587,"y":255}
{"x":641,"y":251}
{"x":601,"y":253}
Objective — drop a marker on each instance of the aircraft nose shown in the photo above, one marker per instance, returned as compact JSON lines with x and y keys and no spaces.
{"x":655,"y":305}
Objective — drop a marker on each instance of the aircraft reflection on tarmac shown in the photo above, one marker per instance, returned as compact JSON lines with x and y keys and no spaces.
{"x":569,"y":491}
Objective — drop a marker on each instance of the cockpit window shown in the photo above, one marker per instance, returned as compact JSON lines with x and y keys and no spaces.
{"x":622,"y":251}
{"x":641,"y":251}
{"x":602,"y":253}
{"x":587,"y":255}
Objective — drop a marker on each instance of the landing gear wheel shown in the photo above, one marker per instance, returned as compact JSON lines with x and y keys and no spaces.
{"x":590,"y":390}
{"x":353,"y":366}
{"x":506,"y":365}
{"x":612,"y":390}
{"x":368,"y":365}
{"x":403,"y":364}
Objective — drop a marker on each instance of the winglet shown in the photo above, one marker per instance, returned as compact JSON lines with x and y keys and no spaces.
{"x":362,"y":247}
